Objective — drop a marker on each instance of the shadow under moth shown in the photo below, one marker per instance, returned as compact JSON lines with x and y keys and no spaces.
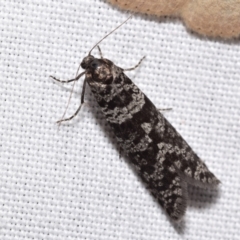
{"x":213,"y":18}
{"x":162,"y":158}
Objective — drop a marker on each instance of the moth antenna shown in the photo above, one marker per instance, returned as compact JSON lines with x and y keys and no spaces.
{"x":110,"y":33}
{"x":69,"y":99}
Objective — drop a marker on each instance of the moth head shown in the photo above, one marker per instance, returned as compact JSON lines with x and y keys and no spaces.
{"x":99,"y":69}
{"x":87,"y":61}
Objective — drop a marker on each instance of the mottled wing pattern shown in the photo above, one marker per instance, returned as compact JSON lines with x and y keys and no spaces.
{"x":164,"y":161}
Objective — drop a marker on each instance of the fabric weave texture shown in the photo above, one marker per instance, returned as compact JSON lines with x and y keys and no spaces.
{"x":69,"y":182}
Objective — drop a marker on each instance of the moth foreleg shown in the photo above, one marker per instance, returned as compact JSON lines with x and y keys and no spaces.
{"x":70,"y":80}
{"x":79,"y":108}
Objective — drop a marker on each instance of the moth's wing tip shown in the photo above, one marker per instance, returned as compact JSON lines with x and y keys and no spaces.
{"x":199,"y":174}
{"x":178,"y":216}
{"x":178,"y":210}
{"x":212,"y":181}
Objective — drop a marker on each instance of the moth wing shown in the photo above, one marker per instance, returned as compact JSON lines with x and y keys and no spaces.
{"x":186,"y":161}
{"x":170,"y":191}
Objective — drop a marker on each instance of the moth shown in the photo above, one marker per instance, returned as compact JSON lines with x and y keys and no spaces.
{"x":213,"y":18}
{"x":162,"y":158}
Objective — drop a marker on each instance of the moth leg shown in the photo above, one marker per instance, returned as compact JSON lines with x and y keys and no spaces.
{"x":130,"y":69}
{"x":164,"y":109}
{"x":79,"y":108}
{"x":100,"y":52}
{"x":70,"y":80}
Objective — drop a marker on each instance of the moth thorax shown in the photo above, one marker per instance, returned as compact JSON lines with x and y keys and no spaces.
{"x":101,"y":72}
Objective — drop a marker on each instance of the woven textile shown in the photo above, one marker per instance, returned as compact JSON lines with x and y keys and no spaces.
{"x":69,"y":183}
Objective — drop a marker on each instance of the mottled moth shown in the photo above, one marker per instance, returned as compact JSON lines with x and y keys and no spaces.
{"x":161,"y":157}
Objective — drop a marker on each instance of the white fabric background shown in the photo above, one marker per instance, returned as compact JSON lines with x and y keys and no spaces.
{"x":70,"y":183}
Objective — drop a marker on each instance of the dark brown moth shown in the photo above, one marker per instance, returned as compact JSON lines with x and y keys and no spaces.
{"x":161,"y":157}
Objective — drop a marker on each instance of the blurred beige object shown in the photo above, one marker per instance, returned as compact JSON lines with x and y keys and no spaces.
{"x":214,"y":18}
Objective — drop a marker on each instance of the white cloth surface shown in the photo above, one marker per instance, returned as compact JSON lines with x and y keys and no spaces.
{"x":69,"y":183}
